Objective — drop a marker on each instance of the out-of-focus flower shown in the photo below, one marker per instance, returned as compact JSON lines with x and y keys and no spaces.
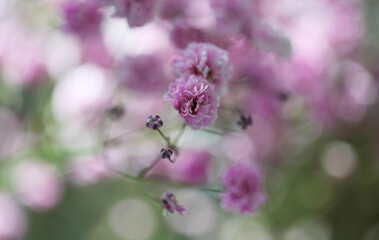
{"x":138,"y":12}
{"x":170,"y":204}
{"x":89,"y":170}
{"x":37,"y":185}
{"x":172,"y":9}
{"x":82,"y":18}
{"x":233,"y":16}
{"x":195,"y":101}
{"x":206,"y":60}
{"x":154,"y":122}
{"x":12,"y":219}
{"x":245,"y":121}
{"x":243,"y":189}
{"x":167,"y":153}
{"x":82,"y":95}
{"x":183,"y":34}
{"x":21,"y":60}
{"x":192,"y":167}
{"x":143,"y":73}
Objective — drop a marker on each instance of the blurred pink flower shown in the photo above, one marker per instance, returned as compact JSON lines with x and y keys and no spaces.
{"x":191,"y":167}
{"x":233,"y":16}
{"x":82,"y":18}
{"x":13,"y":221}
{"x":243,"y":189}
{"x":21,"y":55}
{"x":206,"y":60}
{"x":89,"y":170}
{"x":183,"y":34}
{"x":138,"y":12}
{"x":94,"y":51}
{"x":142,"y":73}
{"x":172,"y":9}
{"x":37,"y":185}
{"x":195,"y":101}
{"x":170,"y":204}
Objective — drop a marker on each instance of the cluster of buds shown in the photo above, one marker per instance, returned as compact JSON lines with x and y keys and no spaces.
{"x":154,"y":122}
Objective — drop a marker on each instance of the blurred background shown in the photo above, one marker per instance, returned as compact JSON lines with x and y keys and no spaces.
{"x":78,"y":81}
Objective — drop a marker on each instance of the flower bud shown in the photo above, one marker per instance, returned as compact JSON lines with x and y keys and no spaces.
{"x":170,"y":204}
{"x":167,"y":153}
{"x":154,"y":122}
{"x":245,"y":121}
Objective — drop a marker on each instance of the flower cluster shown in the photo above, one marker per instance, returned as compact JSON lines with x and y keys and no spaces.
{"x":243,"y":190}
{"x":203,"y":72}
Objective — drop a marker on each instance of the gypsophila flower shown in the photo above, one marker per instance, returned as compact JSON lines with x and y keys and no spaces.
{"x":243,"y":189}
{"x":245,"y":121}
{"x":206,"y":60}
{"x":167,"y":153}
{"x":82,"y":18}
{"x":170,"y":204}
{"x":195,"y":101}
{"x":154,"y":122}
{"x":138,"y":12}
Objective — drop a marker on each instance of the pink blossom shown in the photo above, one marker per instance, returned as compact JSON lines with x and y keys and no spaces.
{"x":170,"y":204}
{"x":206,"y":60}
{"x":138,"y":12}
{"x":37,"y":185}
{"x":82,"y":18}
{"x":195,"y":101}
{"x":243,"y":189}
{"x":143,"y":73}
{"x":183,"y":34}
{"x":233,"y":16}
{"x":171,"y":9}
{"x":12,"y":219}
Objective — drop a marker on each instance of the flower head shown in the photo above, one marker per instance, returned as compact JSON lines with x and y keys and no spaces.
{"x":170,"y":204}
{"x":195,"y":101}
{"x":82,"y":18}
{"x":205,"y":60}
{"x":154,"y":122}
{"x":138,"y":12}
{"x":243,"y":190}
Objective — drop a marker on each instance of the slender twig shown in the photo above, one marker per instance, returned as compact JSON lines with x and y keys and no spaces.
{"x":167,"y":139}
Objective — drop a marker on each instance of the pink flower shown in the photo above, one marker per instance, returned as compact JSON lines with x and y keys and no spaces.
{"x":138,"y":12}
{"x":191,"y":167}
{"x":195,"y":101}
{"x":13,"y":221}
{"x":82,"y":18}
{"x":183,"y":34}
{"x":143,"y":73}
{"x":206,"y":60}
{"x":243,"y":189}
{"x":170,"y":204}
{"x":171,"y":9}
{"x":38,"y":185}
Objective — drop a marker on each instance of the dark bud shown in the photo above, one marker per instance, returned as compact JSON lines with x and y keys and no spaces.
{"x":283,"y":96}
{"x":167,"y":153}
{"x":245,"y":121}
{"x":154,"y":122}
{"x":115,"y":112}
